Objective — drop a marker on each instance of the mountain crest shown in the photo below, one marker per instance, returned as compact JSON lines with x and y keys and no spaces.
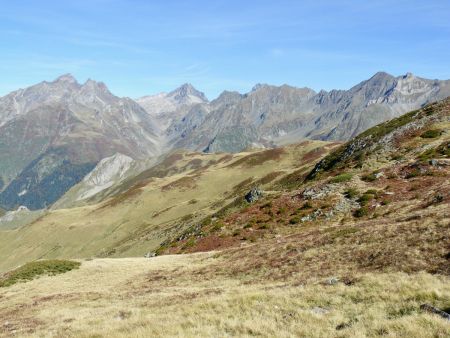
{"x":67,"y":78}
{"x":186,"y":92}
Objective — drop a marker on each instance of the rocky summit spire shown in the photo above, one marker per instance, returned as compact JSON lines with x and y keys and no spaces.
{"x":69,"y":78}
{"x":186,"y":93}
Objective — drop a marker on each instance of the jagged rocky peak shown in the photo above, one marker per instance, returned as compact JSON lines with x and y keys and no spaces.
{"x":259,"y":86}
{"x":408,"y":75}
{"x":66,"y":78}
{"x":94,"y":85}
{"x":381,"y":76}
{"x":227,"y":97}
{"x":187,"y":94}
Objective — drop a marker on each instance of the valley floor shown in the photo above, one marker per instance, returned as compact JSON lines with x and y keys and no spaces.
{"x":195,"y":296}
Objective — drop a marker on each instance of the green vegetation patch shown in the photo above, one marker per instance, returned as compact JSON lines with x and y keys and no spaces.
{"x":341,"y":178}
{"x":432,"y":133}
{"x":361,"y":212}
{"x":351,"y":193}
{"x":365,"y":199}
{"x":35,"y":269}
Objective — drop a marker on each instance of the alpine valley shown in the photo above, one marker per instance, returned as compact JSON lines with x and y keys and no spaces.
{"x":53,"y":134}
{"x":279,"y":212}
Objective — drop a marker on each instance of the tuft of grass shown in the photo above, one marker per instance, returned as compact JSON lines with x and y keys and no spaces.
{"x":365,"y":199}
{"x":344,"y":232}
{"x":341,"y":178}
{"x":264,"y":226}
{"x":370,"y":177}
{"x":35,"y":269}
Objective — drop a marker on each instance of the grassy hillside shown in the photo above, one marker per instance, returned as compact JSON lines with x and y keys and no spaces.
{"x":387,"y":190}
{"x":199,"y":295}
{"x":142,"y":212}
{"x":347,"y":241}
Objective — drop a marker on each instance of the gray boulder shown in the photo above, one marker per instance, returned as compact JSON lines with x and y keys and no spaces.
{"x":253,"y":195}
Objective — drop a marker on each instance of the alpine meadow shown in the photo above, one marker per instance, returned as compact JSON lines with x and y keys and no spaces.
{"x":225,"y":169}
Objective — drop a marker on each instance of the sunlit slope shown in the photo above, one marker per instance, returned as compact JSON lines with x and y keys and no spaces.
{"x":146,"y":210}
{"x":199,"y":295}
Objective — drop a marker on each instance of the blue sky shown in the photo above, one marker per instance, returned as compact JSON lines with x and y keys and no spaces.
{"x":142,"y":47}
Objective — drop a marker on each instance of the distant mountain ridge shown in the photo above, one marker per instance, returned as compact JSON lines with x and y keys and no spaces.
{"x":272,"y":116}
{"x":54,"y":133}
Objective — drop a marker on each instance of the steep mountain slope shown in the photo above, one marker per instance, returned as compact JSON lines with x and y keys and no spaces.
{"x":54,"y":133}
{"x":109,"y":172}
{"x":270,"y":115}
{"x":356,"y":246}
{"x":387,"y":190}
{"x":138,"y":214}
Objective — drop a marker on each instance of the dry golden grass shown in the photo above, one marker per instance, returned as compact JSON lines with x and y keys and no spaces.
{"x":171,"y":296}
{"x":148,"y":210}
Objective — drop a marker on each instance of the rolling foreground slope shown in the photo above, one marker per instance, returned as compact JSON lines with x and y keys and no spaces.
{"x":345,"y":242}
{"x":193,"y":296}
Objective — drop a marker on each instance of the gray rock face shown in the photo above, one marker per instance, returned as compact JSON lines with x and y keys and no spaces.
{"x":85,"y":123}
{"x":272,"y":116}
{"x":82,"y":123}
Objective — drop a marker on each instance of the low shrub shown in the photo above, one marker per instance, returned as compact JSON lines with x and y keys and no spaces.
{"x":370,"y":177}
{"x":351,"y":193}
{"x":365,"y":199}
{"x":361,"y":212}
{"x":432,"y":133}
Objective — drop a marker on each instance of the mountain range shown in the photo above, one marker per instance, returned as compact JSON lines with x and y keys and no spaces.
{"x":53,"y":134}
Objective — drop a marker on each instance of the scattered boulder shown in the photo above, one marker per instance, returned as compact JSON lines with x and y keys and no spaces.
{"x":443,"y":162}
{"x":319,"y":310}
{"x":379,"y":175}
{"x":333,"y":281}
{"x":150,"y":254}
{"x":253,"y":195}
{"x":318,"y":192}
{"x":431,"y":309}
